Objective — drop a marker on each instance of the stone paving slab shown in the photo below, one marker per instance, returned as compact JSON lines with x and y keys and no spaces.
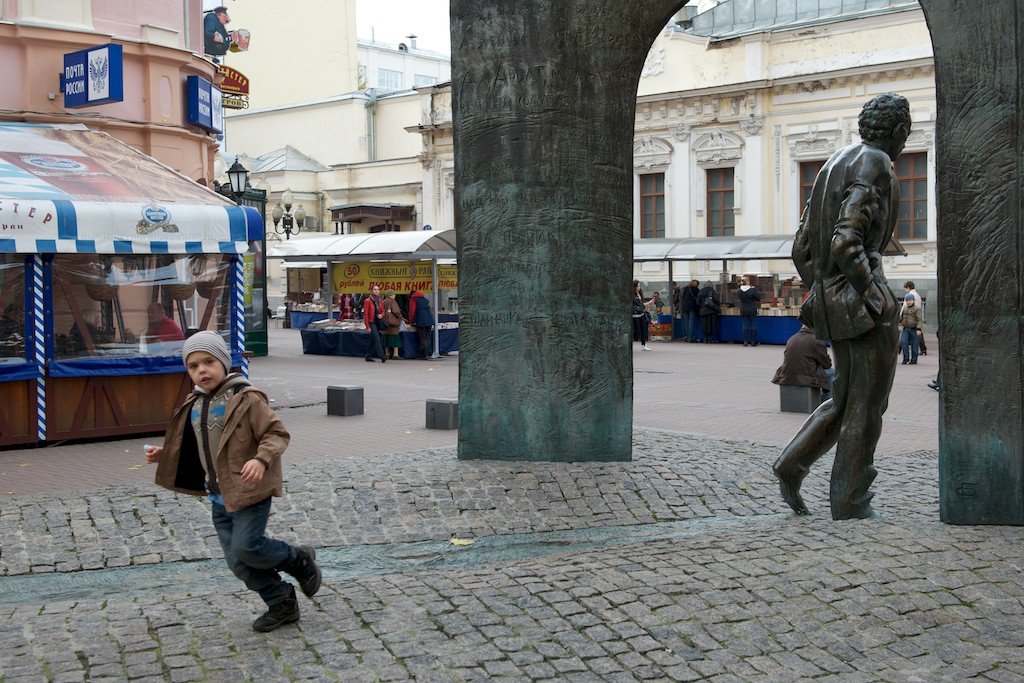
{"x":751,"y":593}
{"x":784,"y":599}
{"x":431,"y":495}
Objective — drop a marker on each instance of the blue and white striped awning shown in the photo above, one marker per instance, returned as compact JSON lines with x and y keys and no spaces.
{"x":69,"y":189}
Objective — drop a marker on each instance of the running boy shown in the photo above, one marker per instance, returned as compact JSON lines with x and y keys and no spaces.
{"x":226,"y":443}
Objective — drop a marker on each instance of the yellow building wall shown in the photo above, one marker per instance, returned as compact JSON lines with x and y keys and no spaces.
{"x":394,"y":115}
{"x":299,"y":52}
{"x":325,"y":132}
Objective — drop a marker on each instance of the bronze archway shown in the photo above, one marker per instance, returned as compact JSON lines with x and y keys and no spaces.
{"x":544,"y":100}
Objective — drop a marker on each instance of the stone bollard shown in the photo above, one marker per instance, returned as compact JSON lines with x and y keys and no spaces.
{"x":798,"y":399}
{"x":442,"y":413}
{"x":346,"y":400}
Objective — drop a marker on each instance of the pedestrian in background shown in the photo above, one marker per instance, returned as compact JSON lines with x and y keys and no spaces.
{"x":638,"y":310}
{"x":909,"y":288}
{"x":422,"y":317}
{"x":750,"y":297}
{"x":806,"y":363}
{"x":373,"y":312}
{"x":911,"y":318}
{"x":226,"y":443}
{"x":690,"y":310}
{"x":392,"y":334}
{"x":710,"y":306}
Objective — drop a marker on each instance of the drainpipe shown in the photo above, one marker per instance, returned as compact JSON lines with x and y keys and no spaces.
{"x":371,"y":125}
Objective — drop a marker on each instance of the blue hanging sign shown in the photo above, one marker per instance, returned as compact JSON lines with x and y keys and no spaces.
{"x":93,"y":76}
{"x":205,"y":107}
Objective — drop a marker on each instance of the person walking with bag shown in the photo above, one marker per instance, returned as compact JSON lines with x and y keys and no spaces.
{"x":373,"y":321}
{"x":392,"y":334}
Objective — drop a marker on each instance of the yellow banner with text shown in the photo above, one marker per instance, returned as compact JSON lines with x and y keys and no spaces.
{"x":403,"y":277}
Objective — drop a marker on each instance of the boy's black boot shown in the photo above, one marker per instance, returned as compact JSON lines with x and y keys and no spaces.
{"x":305,"y":570}
{"x":279,"y":614}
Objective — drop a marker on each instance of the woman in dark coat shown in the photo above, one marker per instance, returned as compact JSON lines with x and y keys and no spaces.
{"x":750,"y":297}
{"x":638,"y":310}
{"x":710,"y":306}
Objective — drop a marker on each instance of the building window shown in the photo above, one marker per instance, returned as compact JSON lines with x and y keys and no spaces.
{"x":808,"y":172}
{"x":721,"y":201}
{"x":652,"y":205}
{"x":388,"y":80}
{"x":912,"y":216}
{"x":419,"y":80}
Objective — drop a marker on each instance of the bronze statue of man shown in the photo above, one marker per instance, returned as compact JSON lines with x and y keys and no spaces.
{"x":846,"y":224}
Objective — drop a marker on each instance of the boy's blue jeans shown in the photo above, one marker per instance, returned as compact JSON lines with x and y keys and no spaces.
{"x":909,"y":344}
{"x":250,"y":554}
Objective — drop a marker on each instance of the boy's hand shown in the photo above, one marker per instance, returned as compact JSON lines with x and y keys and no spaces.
{"x":252,"y":472}
{"x":153,"y":453}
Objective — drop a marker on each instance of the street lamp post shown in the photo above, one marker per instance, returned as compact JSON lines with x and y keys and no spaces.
{"x":290,"y":222}
{"x":238,"y":180}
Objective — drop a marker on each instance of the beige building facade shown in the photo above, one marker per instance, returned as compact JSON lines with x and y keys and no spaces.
{"x":731,"y":128}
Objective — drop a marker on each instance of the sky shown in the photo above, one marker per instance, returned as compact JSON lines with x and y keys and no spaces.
{"x":390,"y":21}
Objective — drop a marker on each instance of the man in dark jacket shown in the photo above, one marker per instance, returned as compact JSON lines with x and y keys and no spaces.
{"x":709,"y":306}
{"x":690,"y":310}
{"x":422,"y":318}
{"x":847,"y":223}
{"x":805,"y":363}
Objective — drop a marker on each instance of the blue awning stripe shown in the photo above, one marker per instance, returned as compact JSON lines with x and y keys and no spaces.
{"x":85,"y":246}
{"x":158,"y":247}
{"x":236,"y":223}
{"x":193,"y":247}
{"x":67,"y":220}
{"x":123,"y":247}
{"x":255,"y":225}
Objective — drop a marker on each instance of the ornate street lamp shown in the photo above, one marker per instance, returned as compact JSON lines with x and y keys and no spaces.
{"x":290,"y":222}
{"x":238,"y":176}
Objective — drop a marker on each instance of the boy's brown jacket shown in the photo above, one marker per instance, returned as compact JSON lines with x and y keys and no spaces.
{"x":252,"y":429}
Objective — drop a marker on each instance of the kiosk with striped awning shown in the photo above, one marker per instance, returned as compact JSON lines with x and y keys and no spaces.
{"x":108,"y":260}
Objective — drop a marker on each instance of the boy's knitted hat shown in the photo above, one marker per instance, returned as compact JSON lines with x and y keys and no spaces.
{"x":210,"y":342}
{"x":910,"y":297}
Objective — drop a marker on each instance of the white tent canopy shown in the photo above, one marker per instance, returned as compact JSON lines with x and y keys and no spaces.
{"x":714,"y":248}
{"x":755,"y":248}
{"x":378,"y":246}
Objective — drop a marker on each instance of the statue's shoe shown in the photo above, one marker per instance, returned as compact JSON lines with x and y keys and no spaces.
{"x":789,"y":486}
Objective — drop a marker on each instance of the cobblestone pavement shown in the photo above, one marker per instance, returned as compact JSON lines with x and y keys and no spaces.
{"x":712,"y":389}
{"x":680,"y":565}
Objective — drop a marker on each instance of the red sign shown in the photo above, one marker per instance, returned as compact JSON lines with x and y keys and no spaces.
{"x":235,"y":82}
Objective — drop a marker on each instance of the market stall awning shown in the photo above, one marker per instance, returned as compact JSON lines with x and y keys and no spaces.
{"x":377,"y":246}
{"x":759,"y":247}
{"x":69,"y":189}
